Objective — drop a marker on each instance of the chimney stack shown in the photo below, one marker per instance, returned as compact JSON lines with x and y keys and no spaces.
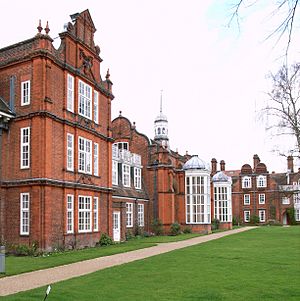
{"x":213,"y":166}
{"x":290,"y":163}
{"x":222,"y":165}
{"x":256,"y":160}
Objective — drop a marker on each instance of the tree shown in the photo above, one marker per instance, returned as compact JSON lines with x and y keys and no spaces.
{"x":284,"y":103}
{"x":286,"y":8}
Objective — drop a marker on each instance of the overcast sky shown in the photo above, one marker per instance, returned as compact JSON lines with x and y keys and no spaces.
{"x":213,"y":76}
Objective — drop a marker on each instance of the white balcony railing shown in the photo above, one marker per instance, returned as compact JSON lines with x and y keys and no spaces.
{"x":289,"y":188}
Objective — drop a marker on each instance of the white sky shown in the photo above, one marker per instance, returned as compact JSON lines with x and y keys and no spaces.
{"x":213,"y":76}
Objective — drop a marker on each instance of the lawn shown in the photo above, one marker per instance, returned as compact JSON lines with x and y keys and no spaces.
{"x":16,"y":265}
{"x":261,"y":264}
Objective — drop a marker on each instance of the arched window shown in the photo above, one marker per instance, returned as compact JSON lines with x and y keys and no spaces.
{"x":163,"y":131}
{"x":158,"y":131}
{"x":246,"y":182}
{"x":261,"y":181}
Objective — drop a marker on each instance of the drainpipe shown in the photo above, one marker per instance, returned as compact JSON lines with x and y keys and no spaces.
{"x":2,"y":223}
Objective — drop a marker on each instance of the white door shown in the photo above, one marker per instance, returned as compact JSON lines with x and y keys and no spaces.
{"x":284,"y":219}
{"x":116,"y":225}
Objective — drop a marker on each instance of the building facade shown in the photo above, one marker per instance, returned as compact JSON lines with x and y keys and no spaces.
{"x":55,"y":185}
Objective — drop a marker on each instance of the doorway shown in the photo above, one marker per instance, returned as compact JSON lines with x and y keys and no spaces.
{"x":116,"y":226}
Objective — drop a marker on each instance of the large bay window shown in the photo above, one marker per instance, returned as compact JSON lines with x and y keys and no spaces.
{"x":197,"y":199}
{"x":25,"y":147}
{"x":222,"y":199}
{"x":24,"y":213}
{"x":84,"y":155}
{"x":84,"y":214}
{"x":85,"y":100}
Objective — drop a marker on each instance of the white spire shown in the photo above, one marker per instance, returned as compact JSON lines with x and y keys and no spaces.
{"x":161,"y":127}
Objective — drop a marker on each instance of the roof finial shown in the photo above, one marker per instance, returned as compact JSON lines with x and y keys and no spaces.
{"x":107,"y":74}
{"x":39,"y":28}
{"x":161,"y":101}
{"x":47,"y":29}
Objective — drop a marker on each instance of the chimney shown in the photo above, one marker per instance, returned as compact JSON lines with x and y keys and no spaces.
{"x":222,"y":165}
{"x":290,"y":163}
{"x":213,"y":166}
{"x":12,"y":81}
{"x":256,"y":160}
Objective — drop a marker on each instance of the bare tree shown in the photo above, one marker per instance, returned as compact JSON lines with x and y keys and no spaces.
{"x":284,"y":104}
{"x":285,"y":27}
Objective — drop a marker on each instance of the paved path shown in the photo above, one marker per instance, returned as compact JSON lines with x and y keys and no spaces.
{"x":14,"y":284}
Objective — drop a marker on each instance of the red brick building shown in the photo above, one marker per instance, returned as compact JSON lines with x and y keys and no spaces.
{"x":55,"y":184}
{"x":267,"y":196}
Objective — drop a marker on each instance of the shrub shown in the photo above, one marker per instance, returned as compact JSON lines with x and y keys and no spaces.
{"x":129,"y":235}
{"x":175,"y":229}
{"x":236,"y":221}
{"x":215,"y":224}
{"x":254,"y":220}
{"x":105,"y":240}
{"x":291,"y":215}
{"x":157,"y":227}
{"x":187,"y":230}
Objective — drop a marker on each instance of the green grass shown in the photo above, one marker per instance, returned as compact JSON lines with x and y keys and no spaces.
{"x":17,"y":265}
{"x":261,"y":264}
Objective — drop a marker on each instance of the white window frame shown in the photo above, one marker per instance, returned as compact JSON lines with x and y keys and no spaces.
{"x":247,"y":216}
{"x":85,"y":217}
{"x":84,"y":100}
{"x":297,"y":215}
{"x":261,"y":198}
{"x":262,"y":216}
{"x":122,"y":145}
{"x":96,"y":106}
{"x":25,"y":93}
{"x":137,"y":177}
{"x":70,"y":152}
{"x":197,"y":199}
{"x":247,"y":199}
{"x":25,"y":148}
{"x":140,"y":216}
{"x":96,"y":159}
{"x":129,"y":215}
{"x":222,"y":199}
{"x":115,"y":172}
{"x":84,"y":155}
{"x":96,"y":214}
{"x":70,"y":213}
{"x":24,"y":213}
{"x":70,"y":93}
{"x":246,"y":182}
{"x":261,"y":181}
{"x":126,"y":175}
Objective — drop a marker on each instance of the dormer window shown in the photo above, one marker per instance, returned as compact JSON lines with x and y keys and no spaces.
{"x":261,"y":181}
{"x":246,"y":182}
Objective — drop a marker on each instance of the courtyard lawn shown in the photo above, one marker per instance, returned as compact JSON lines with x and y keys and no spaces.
{"x":16,"y":265}
{"x":261,"y":264}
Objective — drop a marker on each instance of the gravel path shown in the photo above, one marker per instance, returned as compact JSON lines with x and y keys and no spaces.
{"x":14,"y":284}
